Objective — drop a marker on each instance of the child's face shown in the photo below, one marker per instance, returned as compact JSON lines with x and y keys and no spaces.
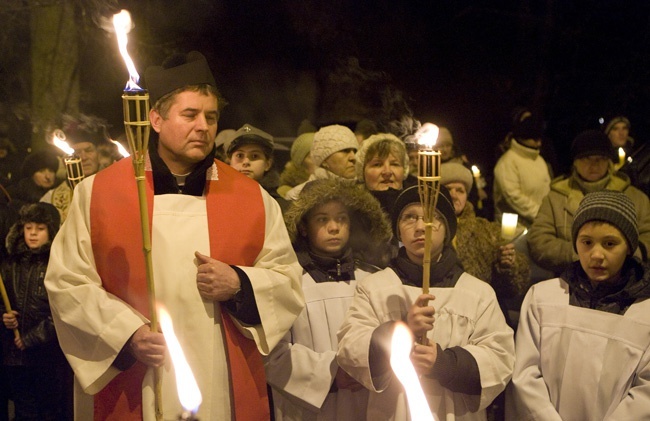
{"x":411,"y":233}
{"x":602,"y":250}
{"x":36,"y":235}
{"x":249,"y":159}
{"x":327,"y":229}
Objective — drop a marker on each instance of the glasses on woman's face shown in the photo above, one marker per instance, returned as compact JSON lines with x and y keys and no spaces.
{"x":410,"y":219}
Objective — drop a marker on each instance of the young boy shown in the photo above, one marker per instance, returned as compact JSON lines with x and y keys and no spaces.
{"x":583,"y":342}
{"x":251,"y":153}
{"x":40,"y":379}
{"x":331,"y":224}
{"x":467,"y":354}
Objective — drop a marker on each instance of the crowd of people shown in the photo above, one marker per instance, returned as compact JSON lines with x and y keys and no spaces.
{"x":285,"y":285}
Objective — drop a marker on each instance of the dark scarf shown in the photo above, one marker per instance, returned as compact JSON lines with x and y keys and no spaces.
{"x":327,"y":269}
{"x":443,"y":274}
{"x":633,"y":285}
{"x":164,"y":181}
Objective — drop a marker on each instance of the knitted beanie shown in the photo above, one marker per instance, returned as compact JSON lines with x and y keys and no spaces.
{"x":396,"y":144}
{"x":591,"y":143}
{"x":444,"y":206}
{"x":612,"y":207}
{"x":453,"y":172}
{"x":618,"y":119}
{"x":331,"y":139}
{"x":300,"y":148}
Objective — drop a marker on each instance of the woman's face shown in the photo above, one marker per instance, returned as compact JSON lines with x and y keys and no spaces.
{"x":342,"y":163}
{"x":410,"y":226}
{"x":458,"y":196}
{"x":382,"y":174}
{"x":592,"y":168}
{"x":618,"y":134}
{"x":44,"y":178}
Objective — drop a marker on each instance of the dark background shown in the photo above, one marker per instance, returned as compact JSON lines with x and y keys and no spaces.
{"x":462,"y":64}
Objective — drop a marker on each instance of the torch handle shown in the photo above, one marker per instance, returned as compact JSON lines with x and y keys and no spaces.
{"x":426,"y":268}
{"x":5,"y":300}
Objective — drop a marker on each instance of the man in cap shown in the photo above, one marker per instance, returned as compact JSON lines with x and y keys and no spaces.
{"x":222,"y":261}
{"x":84,"y":133}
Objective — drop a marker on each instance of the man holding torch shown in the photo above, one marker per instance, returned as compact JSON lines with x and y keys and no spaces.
{"x":223,"y":267}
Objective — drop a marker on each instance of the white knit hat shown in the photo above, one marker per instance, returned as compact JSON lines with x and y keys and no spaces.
{"x":331,"y":139}
{"x":375,"y":138}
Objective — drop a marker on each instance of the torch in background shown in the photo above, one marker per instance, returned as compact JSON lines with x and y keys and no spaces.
{"x":428,"y":187}
{"x":73,"y":167}
{"x":135,"y":101}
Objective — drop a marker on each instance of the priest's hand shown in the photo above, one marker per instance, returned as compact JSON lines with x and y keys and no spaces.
{"x":420,"y":316}
{"x":148,"y":347}
{"x":215,"y":280}
{"x":10,"y":320}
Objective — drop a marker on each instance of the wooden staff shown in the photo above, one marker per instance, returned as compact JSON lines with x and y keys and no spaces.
{"x":5,"y":299}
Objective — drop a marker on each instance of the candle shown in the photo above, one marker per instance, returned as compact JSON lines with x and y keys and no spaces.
{"x":188,"y":390}
{"x":509,"y":225}
{"x":621,"y":157}
{"x":477,"y":180}
{"x":400,"y":362}
{"x":476,"y":172}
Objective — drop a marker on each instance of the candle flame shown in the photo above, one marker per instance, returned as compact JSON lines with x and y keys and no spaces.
{"x":621,"y":153}
{"x":123,"y":25}
{"x":400,"y":361}
{"x":476,"y":171}
{"x":188,"y":390}
{"x":427,"y":135}
{"x":121,"y":149}
{"x":58,"y":140}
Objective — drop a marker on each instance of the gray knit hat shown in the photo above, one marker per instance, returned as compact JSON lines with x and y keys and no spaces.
{"x":612,"y":207}
{"x":300,"y":148}
{"x":331,"y":139}
{"x":372,"y":143}
{"x":453,"y":172}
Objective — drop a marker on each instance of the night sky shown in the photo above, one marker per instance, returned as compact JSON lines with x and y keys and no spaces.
{"x":463,"y":64}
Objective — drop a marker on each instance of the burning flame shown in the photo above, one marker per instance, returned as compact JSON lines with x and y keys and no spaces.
{"x":123,"y":25}
{"x":58,"y":139}
{"x":188,"y":390}
{"x":400,"y":361}
{"x":121,"y":149}
{"x":427,"y":135}
{"x":476,"y":171}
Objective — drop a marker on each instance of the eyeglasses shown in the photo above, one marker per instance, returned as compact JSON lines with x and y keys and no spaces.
{"x":410,"y":219}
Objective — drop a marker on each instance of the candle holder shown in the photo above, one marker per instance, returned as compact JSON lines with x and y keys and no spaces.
{"x":187,"y":416}
{"x":74,"y":170}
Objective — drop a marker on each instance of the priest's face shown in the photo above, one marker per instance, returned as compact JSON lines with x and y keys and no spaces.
{"x":187,"y":133}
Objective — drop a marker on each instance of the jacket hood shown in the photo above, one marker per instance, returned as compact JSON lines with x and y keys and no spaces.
{"x":369,"y":224}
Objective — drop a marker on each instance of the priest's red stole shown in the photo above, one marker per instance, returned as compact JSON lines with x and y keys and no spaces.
{"x":236,"y":224}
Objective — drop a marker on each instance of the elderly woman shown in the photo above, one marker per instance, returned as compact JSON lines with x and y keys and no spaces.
{"x":333,"y":153}
{"x":383,"y":167}
{"x":478,"y":241}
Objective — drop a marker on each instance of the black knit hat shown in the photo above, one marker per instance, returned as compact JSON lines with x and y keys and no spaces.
{"x":444,"y":206}
{"x":176,"y":72}
{"x":529,"y":127}
{"x":591,"y":143}
{"x":612,"y":207}
{"x":37,"y":161}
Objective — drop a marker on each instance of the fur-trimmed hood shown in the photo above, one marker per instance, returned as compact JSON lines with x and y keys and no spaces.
{"x":42,"y":213}
{"x":370,"y":226}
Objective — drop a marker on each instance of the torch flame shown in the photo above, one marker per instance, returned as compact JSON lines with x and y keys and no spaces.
{"x":427,"y":135}
{"x":121,"y":149}
{"x":188,"y":390}
{"x":58,"y":140}
{"x":400,"y":361}
{"x":123,"y":25}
